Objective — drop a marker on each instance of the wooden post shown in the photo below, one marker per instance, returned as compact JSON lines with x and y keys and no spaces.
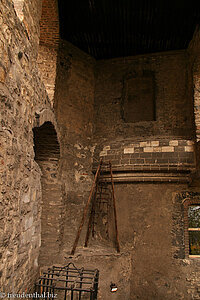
{"x":85,"y":210}
{"x":115,"y":212}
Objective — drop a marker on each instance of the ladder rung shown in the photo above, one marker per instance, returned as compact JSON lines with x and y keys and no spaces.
{"x":108,"y":194}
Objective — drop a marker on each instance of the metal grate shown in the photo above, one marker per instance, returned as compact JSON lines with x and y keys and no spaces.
{"x":68,"y":282}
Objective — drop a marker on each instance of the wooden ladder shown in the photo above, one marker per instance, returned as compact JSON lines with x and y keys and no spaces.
{"x":99,"y":196}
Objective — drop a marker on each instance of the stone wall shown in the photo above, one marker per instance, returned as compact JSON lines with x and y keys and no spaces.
{"x":22,"y":98}
{"x":29,"y":15}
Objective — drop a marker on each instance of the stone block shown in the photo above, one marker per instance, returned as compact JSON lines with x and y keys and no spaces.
{"x":189,"y":149}
{"x":27,"y":236}
{"x":167,"y":149}
{"x":157,"y":149}
{"x":128,"y":150}
{"x":28,"y":222}
{"x":26,"y":198}
{"x":189,"y":143}
{"x":148,"y":149}
{"x":155,"y":143}
{"x":173,"y":143}
{"x":144,"y":144}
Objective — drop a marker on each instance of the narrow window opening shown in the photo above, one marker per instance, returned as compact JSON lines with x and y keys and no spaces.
{"x":194,"y":229}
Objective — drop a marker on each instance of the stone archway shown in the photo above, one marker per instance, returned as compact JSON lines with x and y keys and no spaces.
{"x":47,"y":155}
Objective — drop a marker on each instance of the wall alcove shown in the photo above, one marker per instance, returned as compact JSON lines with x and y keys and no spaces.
{"x":47,"y":155}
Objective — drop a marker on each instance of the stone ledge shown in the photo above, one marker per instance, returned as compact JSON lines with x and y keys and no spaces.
{"x":147,"y":177}
{"x":148,"y":173}
{"x":147,"y":167}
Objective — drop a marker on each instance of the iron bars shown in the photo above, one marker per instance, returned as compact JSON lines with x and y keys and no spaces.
{"x":68,"y":282}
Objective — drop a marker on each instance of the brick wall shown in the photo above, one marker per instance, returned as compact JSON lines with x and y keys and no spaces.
{"x":75,"y":90}
{"x":49,"y":23}
{"x":194,"y":67}
{"x":149,"y":156}
{"x":173,"y":101}
{"x":194,"y":77}
{"x":150,"y":153}
{"x":49,"y":41}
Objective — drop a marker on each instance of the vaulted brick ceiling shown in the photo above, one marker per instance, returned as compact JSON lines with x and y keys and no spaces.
{"x":116,"y":28}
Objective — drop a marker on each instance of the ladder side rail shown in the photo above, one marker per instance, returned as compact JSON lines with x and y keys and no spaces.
{"x":115,"y":211}
{"x":86,"y":210}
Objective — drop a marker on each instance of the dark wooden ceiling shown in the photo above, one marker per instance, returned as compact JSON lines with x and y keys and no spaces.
{"x":117,"y":28}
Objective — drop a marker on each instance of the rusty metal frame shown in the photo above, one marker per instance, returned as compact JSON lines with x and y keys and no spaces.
{"x":69,"y":281}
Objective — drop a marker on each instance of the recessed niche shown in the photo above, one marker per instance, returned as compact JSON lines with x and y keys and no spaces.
{"x":139,"y":98}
